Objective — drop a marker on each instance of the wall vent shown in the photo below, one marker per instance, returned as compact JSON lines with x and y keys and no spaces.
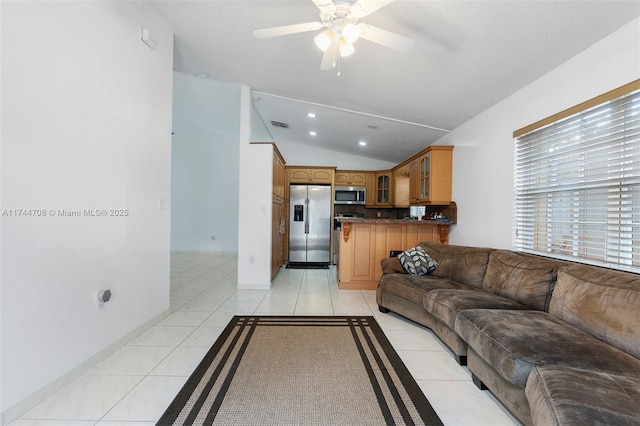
{"x":279,"y":124}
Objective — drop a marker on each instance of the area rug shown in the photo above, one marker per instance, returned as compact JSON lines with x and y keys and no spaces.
{"x":295,"y":370}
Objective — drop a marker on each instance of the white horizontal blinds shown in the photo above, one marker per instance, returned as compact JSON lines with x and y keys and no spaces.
{"x":577,"y":185}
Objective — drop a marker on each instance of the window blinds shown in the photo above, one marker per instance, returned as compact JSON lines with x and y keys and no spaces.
{"x":577,"y":186}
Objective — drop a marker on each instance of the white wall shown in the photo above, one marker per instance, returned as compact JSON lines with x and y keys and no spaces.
{"x":259,"y":132}
{"x":303,"y":155}
{"x":1,"y":133}
{"x":254,"y":216}
{"x":204,"y":164}
{"x":86,"y":122}
{"x":483,"y":155}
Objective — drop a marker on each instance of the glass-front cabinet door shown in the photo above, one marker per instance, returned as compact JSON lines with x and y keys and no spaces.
{"x":430,"y":176}
{"x":383,"y":187}
{"x":425,"y":174}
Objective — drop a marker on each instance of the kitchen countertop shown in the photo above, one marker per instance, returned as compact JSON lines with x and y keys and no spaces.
{"x":364,"y":220}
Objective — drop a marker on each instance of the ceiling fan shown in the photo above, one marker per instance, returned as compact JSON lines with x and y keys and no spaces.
{"x":342,"y":29}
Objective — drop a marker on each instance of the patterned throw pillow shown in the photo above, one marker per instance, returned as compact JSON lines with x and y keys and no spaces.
{"x":416,"y":261}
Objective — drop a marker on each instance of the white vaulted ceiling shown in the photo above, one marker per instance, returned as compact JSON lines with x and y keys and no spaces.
{"x":468,"y":55}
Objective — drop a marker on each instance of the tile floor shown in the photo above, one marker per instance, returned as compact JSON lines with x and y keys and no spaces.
{"x":134,"y":385}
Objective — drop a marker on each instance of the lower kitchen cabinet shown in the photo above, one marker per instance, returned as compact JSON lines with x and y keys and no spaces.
{"x":364,"y":243}
{"x":278,"y":218}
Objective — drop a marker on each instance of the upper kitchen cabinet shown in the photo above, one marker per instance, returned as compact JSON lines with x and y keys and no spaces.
{"x":401,"y":183}
{"x":278,"y":176}
{"x":380,"y":189}
{"x":350,"y":178}
{"x":370,"y":190}
{"x":300,"y":174}
{"x":430,"y":176}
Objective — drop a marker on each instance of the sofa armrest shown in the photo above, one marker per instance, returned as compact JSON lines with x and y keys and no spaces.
{"x":392,"y":265}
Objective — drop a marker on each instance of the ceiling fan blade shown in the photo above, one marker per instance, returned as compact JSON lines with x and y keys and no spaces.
{"x":325,"y":5}
{"x":287,"y":29}
{"x":362,"y":8}
{"x":330,"y":56}
{"x":385,"y":38}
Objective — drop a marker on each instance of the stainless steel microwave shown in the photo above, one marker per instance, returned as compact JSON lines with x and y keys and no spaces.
{"x":349,"y":195}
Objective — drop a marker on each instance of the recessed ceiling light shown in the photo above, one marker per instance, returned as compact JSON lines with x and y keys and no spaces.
{"x":312,"y":133}
{"x":311,"y":115}
{"x":362,"y":143}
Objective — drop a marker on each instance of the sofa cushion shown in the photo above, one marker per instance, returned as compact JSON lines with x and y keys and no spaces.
{"x":445,"y":304}
{"x":413,"y":288}
{"x":416,"y":261}
{"x":602,"y":302}
{"x":513,"y":342}
{"x":573,"y":397}
{"x":391,"y":265}
{"x":466,"y":265}
{"x":525,"y":278}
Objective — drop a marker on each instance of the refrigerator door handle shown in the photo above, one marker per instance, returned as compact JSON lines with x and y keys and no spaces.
{"x":306,"y":219}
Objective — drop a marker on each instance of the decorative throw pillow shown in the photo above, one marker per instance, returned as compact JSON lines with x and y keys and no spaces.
{"x":416,"y":261}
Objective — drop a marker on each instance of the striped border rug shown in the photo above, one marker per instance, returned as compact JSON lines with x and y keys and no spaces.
{"x":294,"y":370}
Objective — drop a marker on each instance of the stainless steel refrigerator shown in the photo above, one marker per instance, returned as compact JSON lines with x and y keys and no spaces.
{"x":310,"y":224}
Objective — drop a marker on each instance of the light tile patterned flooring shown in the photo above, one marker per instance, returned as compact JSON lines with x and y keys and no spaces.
{"x":134,"y":385}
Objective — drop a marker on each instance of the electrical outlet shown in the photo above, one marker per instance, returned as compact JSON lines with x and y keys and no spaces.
{"x":252,"y":259}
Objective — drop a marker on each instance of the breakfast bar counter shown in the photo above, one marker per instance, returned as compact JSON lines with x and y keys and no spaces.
{"x":365,"y":242}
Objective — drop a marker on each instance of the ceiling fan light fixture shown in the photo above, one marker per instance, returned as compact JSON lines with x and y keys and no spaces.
{"x":339,"y":30}
{"x":346,"y":49}
{"x":351,"y":33}
{"x":323,"y":40}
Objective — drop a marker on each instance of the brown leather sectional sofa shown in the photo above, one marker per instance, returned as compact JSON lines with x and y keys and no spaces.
{"x":557,"y":342}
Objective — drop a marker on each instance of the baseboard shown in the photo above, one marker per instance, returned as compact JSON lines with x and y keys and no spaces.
{"x":203,"y":252}
{"x":12,"y":413}
{"x":266,"y":286}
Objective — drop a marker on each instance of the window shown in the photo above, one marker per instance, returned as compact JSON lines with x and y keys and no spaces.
{"x":577,"y":182}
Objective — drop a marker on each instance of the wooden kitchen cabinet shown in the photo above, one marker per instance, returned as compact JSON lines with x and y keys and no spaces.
{"x":310,"y":175}
{"x":277,"y":237}
{"x":278,"y":176}
{"x":414,"y":181}
{"x":383,"y":188}
{"x":286,"y":185}
{"x":379,"y":189}
{"x":350,"y":178}
{"x":363,"y":244}
{"x":430,"y":176}
{"x":356,"y":255}
{"x":370,"y":190}
{"x":401,"y":188}
{"x":278,"y":209}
